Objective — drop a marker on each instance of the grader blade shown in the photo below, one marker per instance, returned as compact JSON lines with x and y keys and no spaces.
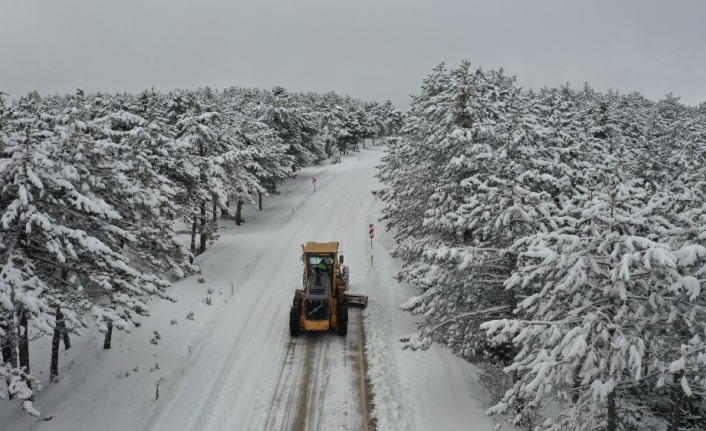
{"x":356,"y":300}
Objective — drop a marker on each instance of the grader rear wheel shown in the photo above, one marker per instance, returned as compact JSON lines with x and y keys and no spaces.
{"x":294,"y":325}
{"x":342,"y":319}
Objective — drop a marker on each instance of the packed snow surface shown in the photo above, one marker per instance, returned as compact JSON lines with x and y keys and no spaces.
{"x":234,"y":366}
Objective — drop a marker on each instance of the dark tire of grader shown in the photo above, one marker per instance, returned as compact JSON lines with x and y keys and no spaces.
{"x":342,"y":319}
{"x":294,"y":324}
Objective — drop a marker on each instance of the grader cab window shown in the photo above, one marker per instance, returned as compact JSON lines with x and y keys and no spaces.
{"x":321,"y":262}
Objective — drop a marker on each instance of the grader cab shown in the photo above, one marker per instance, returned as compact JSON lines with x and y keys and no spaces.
{"x":323,"y":302}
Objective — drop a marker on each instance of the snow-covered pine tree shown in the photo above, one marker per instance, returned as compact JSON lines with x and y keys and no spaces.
{"x":677,"y":350}
{"x":27,"y":264}
{"x":271,"y":163}
{"x":146,"y":201}
{"x":490,"y":194}
{"x":355,"y":126}
{"x":410,"y":166}
{"x":195,"y":137}
{"x":232,"y":171}
{"x":391,"y":119}
{"x":332,"y":130}
{"x":281,"y":110}
{"x":98,"y":237}
{"x":562,"y":135}
{"x":610,"y":287}
{"x":456,"y":112}
{"x":375,"y":120}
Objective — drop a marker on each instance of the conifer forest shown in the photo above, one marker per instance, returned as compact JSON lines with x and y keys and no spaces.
{"x":557,"y":239}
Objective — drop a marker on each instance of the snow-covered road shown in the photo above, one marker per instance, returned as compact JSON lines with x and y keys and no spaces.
{"x":246,"y":372}
{"x":234,"y":366}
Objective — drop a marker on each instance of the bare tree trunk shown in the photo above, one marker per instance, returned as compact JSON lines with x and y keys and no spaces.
{"x":224,"y":211}
{"x":274,"y":186}
{"x":65,"y":334}
{"x":575,"y":385}
{"x":14,"y":341}
{"x":612,"y":415}
{"x":61,"y":322}
{"x":239,"y":212}
{"x":9,"y":348}
{"x":9,"y":341}
{"x":108,"y":336}
{"x":24,"y":343}
{"x":215,"y":211}
{"x":677,"y":400}
{"x":202,"y":234}
{"x":193,"y":240}
{"x":7,"y":355}
{"x":55,"y":342}
{"x":512,"y":304}
{"x":260,"y":202}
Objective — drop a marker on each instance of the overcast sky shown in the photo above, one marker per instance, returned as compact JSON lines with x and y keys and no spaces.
{"x":374,"y":50}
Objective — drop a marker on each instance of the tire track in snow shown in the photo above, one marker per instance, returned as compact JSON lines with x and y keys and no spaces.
{"x":304,"y":384}
{"x":316,"y":384}
{"x":342,"y":396}
{"x":284,"y":380}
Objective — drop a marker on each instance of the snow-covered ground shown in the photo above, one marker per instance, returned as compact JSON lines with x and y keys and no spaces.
{"x":235,"y":366}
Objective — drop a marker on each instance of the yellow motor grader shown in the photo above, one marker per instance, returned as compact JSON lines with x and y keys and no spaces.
{"x":323,"y":302}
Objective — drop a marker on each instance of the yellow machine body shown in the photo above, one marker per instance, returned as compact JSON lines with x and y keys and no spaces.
{"x":323,"y":302}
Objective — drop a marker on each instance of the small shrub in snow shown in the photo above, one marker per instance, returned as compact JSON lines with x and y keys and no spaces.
{"x":208,"y":300}
{"x":210,"y":291}
{"x":174,"y":321}
{"x":156,"y":337}
{"x":202,"y":280}
{"x":190,"y":316}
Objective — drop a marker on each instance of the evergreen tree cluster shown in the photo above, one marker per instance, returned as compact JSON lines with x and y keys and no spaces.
{"x":560,"y":235}
{"x":91,"y":186}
